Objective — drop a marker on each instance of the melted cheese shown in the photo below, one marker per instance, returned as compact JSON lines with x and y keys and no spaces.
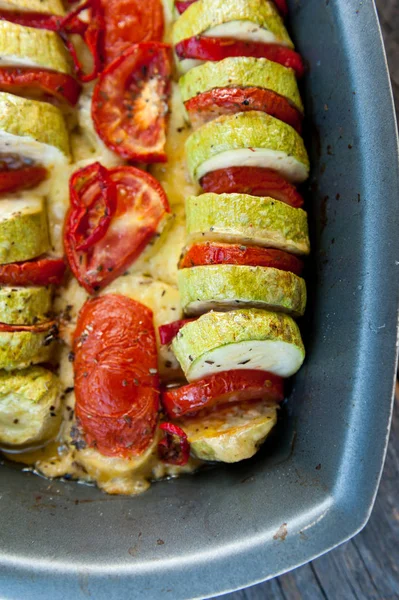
{"x":246,"y":31}
{"x":151,"y":280}
{"x":288,"y":166}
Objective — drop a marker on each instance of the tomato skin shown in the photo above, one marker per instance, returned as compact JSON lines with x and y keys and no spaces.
{"x":282,"y":7}
{"x":255,"y":181}
{"x":32,"y":19}
{"x":129,"y":109}
{"x":50,"y":326}
{"x":174,"y":448}
{"x":42,"y":271}
{"x":39,"y":83}
{"x":130,"y":22}
{"x":93,"y":196}
{"x":169,"y":331}
{"x":181,"y":7}
{"x":214,"y":49}
{"x":137,"y":194}
{"x":223,"y":388}
{"x":221,"y":101}
{"x":116,"y":377}
{"x":231,"y":254}
{"x":13,"y":180}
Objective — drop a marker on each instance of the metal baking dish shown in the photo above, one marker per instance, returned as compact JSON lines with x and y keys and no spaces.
{"x":313,"y":485}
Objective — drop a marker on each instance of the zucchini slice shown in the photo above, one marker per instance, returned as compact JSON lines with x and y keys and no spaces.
{"x":247,"y":139}
{"x":225,"y":287}
{"x":33,"y":129}
{"x":23,"y":229}
{"x":229,"y":434}
{"x":240,"y":339}
{"x":242,"y":72}
{"x":248,"y":20}
{"x":22,"y":46}
{"x":25,"y":305}
{"x":247,"y":220}
{"x":30,"y":402}
{"x":53,"y":7}
{"x":20,"y":349}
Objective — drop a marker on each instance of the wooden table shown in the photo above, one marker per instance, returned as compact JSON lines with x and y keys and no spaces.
{"x":367,"y":567}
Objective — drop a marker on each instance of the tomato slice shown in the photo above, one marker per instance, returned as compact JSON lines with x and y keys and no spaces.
{"x":130,"y":102}
{"x":255,"y":181}
{"x":282,"y":7}
{"x":14,"y":180}
{"x":174,"y":448}
{"x":223,"y":388}
{"x":214,"y":49}
{"x":50,"y":326}
{"x":113,"y":244}
{"x":116,"y":377}
{"x":39,"y":84}
{"x":230,"y":254}
{"x":42,"y":271}
{"x":32,"y":19}
{"x":169,"y":331}
{"x":130,"y":22}
{"x":222,"y":101}
{"x":93,"y":196}
{"x":182,"y":6}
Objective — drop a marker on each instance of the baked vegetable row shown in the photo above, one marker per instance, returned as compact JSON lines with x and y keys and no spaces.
{"x":36,"y":69}
{"x":246,"y":233}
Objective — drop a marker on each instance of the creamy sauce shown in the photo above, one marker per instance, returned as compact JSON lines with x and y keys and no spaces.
{"x":151,"y":280}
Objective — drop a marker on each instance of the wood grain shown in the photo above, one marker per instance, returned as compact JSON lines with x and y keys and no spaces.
{"x":367,"y":567}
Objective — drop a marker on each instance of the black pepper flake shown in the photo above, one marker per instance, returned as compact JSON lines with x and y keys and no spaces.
{"x":71,"y":356}
{"x":244,"y":362}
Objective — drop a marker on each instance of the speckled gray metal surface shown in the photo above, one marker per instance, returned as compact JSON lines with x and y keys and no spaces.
{"x":314,"y":485}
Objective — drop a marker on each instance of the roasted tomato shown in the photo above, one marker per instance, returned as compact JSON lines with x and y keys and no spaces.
{"x":42,"y":271}
{"x":210,"y":253}
{"x":223,"y":388}
{"x":112,"y":217}
{"x":32,"y":19}
{"x":50,"y":326}
{"x":255,"y":181}
{"x":182,"y":5}
{"x":130,"y":102}
{"x":223,"y":101}
{"x":39,"y":84}
{"x":174,"y":448}
{"x":207,"y":48}
{"x":13,"y":180}
{"x":116,"y":377}
{"x":130,"y":22}
{"x":169,"y":331}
